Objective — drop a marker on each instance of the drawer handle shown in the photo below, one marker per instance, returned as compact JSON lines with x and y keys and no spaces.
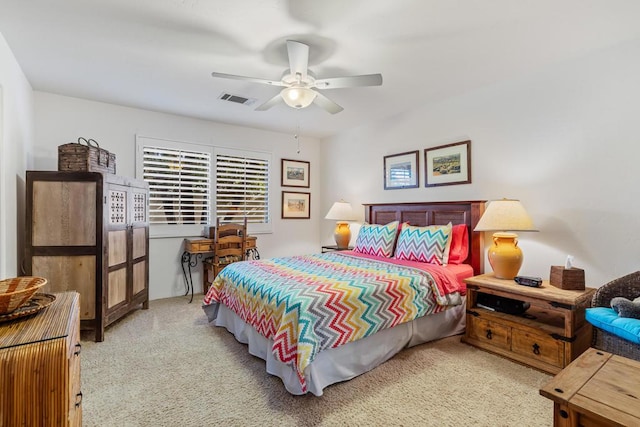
{"x":78,"y":401}
{"x":78,"y":349}
{"x":489,"y":334}
{"x":536,"y":349}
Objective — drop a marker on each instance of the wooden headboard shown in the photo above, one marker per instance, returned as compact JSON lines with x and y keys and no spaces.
{"x":435,"y":213}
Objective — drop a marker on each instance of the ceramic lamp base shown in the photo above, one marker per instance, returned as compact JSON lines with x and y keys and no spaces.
{"x":342,"y":235}
{"x":505,"y":256}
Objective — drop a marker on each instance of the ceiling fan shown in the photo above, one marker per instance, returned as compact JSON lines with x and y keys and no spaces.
{"x":301,"y":85}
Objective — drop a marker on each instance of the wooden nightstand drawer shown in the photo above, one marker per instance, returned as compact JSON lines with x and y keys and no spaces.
{"x":487,"y":331}
{"x":537,"y":346}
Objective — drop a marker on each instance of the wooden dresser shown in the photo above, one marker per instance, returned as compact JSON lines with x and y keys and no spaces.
{"x":40,"y":367}
{"x":89,"y":232}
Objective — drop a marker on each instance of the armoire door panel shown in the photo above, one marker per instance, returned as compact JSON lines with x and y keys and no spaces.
{"x":117,"y":287}
{"x":140,"y":202}
{"x":66,"y":273}
{"x":117,"y":209}
{"x":64,"y":213}
{"x":139,"y":242}
{"x":117,"y":247}
{"x":139,"y":277}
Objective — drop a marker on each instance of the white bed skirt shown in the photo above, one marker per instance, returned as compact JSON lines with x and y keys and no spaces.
{"x":350,"y":360}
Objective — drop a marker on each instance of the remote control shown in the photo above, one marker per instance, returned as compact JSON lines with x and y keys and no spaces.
{"x":534,"y":282}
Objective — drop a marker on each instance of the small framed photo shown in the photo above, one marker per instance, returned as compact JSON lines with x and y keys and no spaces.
{"x":296,"y":205}
{"x":448,"y":164}
{"x":295,"y":173}
{"x":401,"y":170}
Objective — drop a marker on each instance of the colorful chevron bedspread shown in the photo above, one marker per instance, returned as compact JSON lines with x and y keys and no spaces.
{"x":309,"y":303}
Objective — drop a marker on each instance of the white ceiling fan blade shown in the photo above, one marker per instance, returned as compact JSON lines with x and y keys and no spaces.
{"x":249,"y":79}
{"x":326,"y":104}
{"x":270,"y":103}
{"x":352,"y":81}
{"x":298,"y":58}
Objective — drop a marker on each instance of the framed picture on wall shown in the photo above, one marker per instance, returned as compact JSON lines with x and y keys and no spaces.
{"x":401,"y":170}
{"x":448,"y":164}
{"x":296,"y":205}
{"x":295,"y":173}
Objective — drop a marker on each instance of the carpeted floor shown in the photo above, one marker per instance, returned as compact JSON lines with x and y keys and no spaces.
{"x":167,"y":366}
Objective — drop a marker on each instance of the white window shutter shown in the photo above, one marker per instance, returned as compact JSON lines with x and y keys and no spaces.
{"x":179,"y":185}
{"x":242,"y":187}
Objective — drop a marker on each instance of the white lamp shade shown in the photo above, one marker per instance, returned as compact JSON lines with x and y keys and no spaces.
{"x":340,"y":211}
{"x":505,"y":215}
{"x":298,"y":97}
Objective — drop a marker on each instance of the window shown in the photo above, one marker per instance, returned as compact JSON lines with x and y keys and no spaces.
{"x":183,"y":179}
{"x":242,"y":188}
{"x":179,"y":177}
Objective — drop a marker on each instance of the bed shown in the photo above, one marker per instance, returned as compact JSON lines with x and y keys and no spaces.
{"x":320,"y":319}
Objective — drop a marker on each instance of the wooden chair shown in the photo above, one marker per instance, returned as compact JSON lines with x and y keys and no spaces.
{"x":229,"y":245}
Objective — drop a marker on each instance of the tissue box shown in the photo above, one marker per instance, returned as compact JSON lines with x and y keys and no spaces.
{"x":567,"y":278}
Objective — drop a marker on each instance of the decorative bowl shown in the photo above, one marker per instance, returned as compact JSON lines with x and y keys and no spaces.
{"x":17,"y":291}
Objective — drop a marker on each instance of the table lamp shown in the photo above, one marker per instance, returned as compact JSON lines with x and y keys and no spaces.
{"x":341,"y":212}
{"x":505,"y":216}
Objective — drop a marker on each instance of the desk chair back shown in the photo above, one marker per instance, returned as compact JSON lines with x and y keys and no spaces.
{"x":229,"y":244}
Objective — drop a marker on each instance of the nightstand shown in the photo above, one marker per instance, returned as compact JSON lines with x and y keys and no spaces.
{"x":551,"y":333}
{"x":333,"y":248}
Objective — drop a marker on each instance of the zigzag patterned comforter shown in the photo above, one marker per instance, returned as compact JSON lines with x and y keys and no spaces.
{"x":309,"y":303}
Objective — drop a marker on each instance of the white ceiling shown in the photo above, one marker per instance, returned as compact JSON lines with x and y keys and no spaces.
{"x":159,"y":54}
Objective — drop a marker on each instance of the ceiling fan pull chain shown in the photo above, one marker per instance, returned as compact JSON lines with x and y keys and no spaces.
{"x":297,"y":134}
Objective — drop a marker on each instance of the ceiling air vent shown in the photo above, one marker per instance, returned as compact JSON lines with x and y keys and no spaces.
{"x":237,"y":99}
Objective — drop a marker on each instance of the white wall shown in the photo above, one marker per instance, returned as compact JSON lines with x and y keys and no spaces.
{"x":16,"y":137}
{"x":564,"y":140}
{"x":61,"y":119}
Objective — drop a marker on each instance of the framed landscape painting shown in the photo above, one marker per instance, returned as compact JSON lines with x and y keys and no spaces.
{"x":401,"y":170}
{"x":296,"y":205}
{"x":448,"y":164}
{"x":295,"y":173}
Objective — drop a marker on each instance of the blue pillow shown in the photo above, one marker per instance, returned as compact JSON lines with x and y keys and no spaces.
{"x":607,"y":319}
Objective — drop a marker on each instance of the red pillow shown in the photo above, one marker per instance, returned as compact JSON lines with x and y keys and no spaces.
{"x":459,"y":244}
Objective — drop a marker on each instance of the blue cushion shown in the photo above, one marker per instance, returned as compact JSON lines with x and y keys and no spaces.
{"x":608,"y":320}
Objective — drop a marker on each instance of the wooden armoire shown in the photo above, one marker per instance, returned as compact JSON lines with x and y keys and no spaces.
{"x":89,"y":232}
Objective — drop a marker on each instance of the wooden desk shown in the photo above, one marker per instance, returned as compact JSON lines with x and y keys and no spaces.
{"x":596,"y":389}
{"x":196,"y":249}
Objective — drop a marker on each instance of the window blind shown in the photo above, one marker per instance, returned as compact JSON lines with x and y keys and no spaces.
{"x":242,"y":188}
{"x":179,"y":185}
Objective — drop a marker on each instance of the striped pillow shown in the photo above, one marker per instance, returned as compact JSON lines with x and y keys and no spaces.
{"x":425,"y":244}
{"x":376,"y":239}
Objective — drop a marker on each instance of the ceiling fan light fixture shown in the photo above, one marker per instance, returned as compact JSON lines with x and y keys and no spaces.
{"x":298,"y":97}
